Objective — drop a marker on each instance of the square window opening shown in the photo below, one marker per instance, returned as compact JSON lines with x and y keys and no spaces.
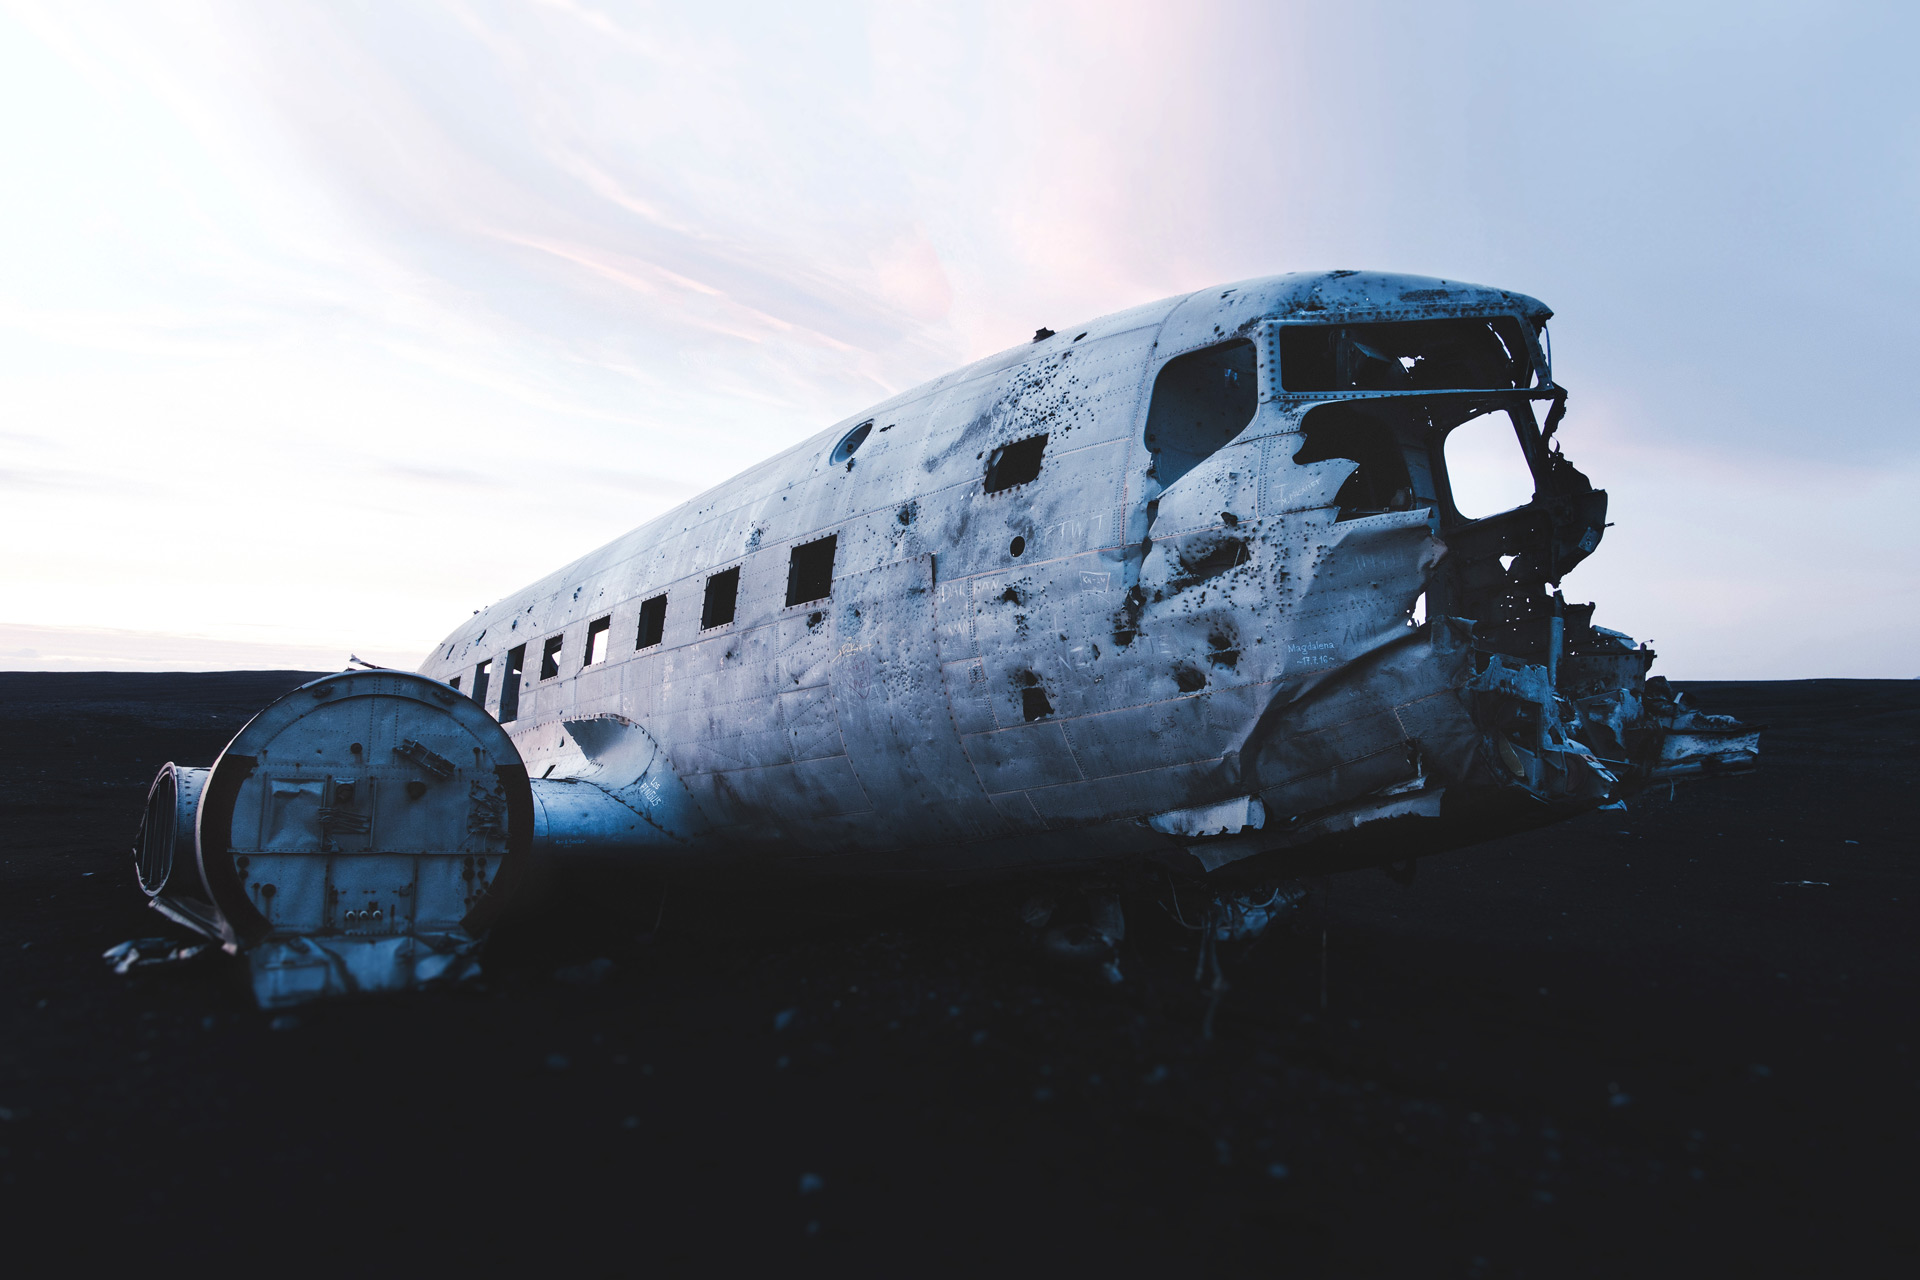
{"x":482,"y":677}
{"x":723,"y":589}
{"x":597,"y":640}
{"x":653,"y":623}
{"x":455,"y":682}
{"x":550,"y":657}
{"x":810,"y":570}
{"x":1015,"y":464}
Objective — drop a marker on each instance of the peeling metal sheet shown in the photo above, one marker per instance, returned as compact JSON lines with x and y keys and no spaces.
{"x":1225,"y":818}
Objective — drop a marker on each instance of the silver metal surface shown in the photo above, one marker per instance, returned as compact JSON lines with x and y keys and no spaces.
{"x":1162,"y":644}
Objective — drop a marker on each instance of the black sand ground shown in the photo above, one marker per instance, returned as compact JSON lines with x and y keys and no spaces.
{"x":1636,"y":1043}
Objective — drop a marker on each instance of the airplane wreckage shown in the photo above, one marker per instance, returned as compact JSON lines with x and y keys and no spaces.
{"x":1190,"y":591}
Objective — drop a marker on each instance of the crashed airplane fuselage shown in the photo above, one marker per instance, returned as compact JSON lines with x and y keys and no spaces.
{"x":1196,"y":584}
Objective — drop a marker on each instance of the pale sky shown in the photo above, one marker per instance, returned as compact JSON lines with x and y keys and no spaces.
{"x":329,"y":323}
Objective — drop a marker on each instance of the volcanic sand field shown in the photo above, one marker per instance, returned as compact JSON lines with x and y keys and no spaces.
{"x":1637,"y":1041}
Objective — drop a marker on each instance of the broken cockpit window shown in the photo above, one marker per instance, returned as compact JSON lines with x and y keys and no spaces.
{"x":1489,"y":352}
{"x":1366,"y":432}
{"x":550,"y":657}
{"x":1201,"y":401}
{"x":1447,"y":451}
{"x":1486,"y":470}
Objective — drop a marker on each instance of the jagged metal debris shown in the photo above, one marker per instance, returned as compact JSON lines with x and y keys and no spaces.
{"x":147,"y":953}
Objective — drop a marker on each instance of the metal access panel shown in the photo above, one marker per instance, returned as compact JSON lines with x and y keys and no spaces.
{"x":369,"y":805}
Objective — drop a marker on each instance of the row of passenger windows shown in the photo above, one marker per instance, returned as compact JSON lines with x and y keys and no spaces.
{"x":809,"y":578}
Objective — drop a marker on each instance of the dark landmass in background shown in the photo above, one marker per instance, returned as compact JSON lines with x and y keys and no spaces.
{"x":1634,"y":1042}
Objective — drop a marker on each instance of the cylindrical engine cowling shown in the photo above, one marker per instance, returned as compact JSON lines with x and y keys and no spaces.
{"x":164,"y":854}
{"x":359,"y":832}
{"x":366,"y":807}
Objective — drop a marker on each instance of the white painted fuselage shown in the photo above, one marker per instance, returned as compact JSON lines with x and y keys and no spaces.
{"x":1096,"y":662}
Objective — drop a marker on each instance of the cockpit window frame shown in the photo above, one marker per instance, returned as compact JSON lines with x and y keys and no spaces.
{"x":1532,"y":331}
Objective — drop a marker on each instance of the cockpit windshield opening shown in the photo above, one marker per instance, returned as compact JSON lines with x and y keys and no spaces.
{"x":1480,"y":353}
{"x":1450,"y":452}
{"x":1486,"y":470}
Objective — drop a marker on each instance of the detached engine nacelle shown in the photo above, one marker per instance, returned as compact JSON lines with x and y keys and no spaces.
{"x":356,"y":835}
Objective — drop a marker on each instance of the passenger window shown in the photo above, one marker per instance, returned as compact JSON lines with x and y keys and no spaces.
{"x":1201,"y":401}
{"x":653,"y":623}
{"x":1015,"y":464}
{"x":597,"y":641}
{"x":482,"y":676}
{"x":722,"y":589}
{"x":550,"y":657}
{"x":510,"y":683}
{"x":810,"y":570}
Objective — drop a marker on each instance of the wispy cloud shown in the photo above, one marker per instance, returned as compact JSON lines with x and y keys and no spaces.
{"x":359,"y":280}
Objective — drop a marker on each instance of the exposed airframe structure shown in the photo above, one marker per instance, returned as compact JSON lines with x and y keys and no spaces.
{"x":1193,"y":586}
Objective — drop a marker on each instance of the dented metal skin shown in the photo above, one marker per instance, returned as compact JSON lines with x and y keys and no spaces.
{"x":1109,"y":660}
{"x":1142,"y":592}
